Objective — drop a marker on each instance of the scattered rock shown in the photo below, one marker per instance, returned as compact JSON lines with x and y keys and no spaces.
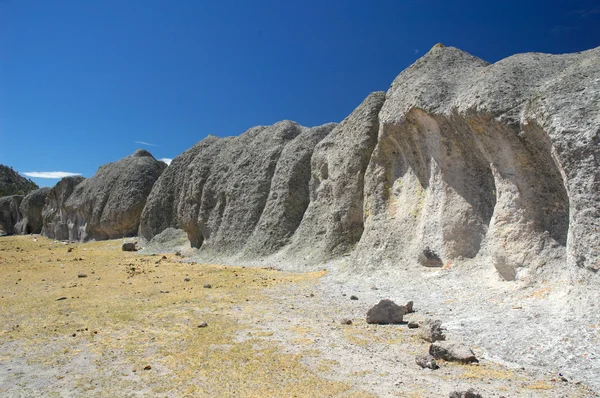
{"x":470,"y":393}
{"x":353,"y":297}
{"x":346,"y":321}
{"x":409,"y":307}
{"x":187,"y":280}
{"x":432,"y":331}
{"x":452,"y":352}
{"x":207,"y":286}
{"x":147,"y":367}
{"x":413,"y":325}
{"x":426,"y":361}
{"x":129,"y":247}
{"x":429,"y":258}
{"x":385,"y":312}
{"x":61,"y":298}
{"x":202,"y":324}
{"x":69,"y":250}
{"x":82,"y":275}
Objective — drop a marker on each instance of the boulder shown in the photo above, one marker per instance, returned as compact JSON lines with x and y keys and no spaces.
{"x":129,"y":247}
{"x":426,"y":361}
{"x":31,"y":212}
{"x":54,"y":213}
{"x":109,"y":205}
{"x":9,"y":213}
{"x":452,"y":352}
{"x":385,"y":312}
{"x":432,"y":331}
{"x":470,"y":393}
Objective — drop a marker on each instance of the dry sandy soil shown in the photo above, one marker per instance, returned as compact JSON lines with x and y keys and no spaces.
{"x":130,"y":327}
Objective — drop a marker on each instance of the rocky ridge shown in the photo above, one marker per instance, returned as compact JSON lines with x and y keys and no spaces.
{"x":12,"y":183}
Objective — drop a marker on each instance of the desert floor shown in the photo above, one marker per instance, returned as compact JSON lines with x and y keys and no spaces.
{"x":89,"y":320}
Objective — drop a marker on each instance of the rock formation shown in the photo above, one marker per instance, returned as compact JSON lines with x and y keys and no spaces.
{"x":12,"y":183}
{"x":31,"y":221}
{"x":459,"y":159}
{"x":9,"y":213}
{"x":54,"y":213}
{"x":106,"y":206}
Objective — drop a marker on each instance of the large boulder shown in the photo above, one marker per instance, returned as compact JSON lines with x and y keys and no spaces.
{"x":9,"y":213}
{"x":109,"y":205}
{"x":55,"y":214}
{"x":31,"y":212}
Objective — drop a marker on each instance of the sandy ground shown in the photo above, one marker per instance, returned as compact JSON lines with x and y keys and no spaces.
{"x":130,"y":328}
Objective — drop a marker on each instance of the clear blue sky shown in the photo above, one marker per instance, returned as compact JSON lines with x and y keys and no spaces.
{"x":82,"y":80}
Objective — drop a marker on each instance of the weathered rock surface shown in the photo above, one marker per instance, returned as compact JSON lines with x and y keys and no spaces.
{"x":426,"y":361}
{"x":54,"y":213}
{"x":452,"y":351}
{"x":432,"y":331}
{"x":495,"y":160}
{"x":31,"y":212}
{"x":108,"y":205}
{"x":9,"y":213}
{"x":12,"y":183}
{"x":385,"y":312}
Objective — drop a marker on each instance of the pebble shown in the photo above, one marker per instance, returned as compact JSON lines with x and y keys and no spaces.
{"x":202,"y":324}
{"x":207,"y":286}
{"x":61,"y":298}
{"x":353,"y":297}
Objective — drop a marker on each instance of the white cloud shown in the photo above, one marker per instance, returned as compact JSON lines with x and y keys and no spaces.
{"x":166,"y":160}
{"x":144,"y":143}
{"x":50,"y":174}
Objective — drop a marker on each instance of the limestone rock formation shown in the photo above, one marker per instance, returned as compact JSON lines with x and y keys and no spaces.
{"x":495,"y":160}
{"x":9,"y":213}
{"x":106,"y":206}
{"x":246,"y":193}
{"x":12,"y":183}
{"x":54,"y":213}
{"x":31,"y":212}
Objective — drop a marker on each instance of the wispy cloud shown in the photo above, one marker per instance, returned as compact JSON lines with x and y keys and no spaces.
{"x":166,"y":160}
{"x":50,"y":174}
{"x":565,"y":29}
{"x":144,"y":143}
{"x":584,"y":13}
{"x":416,"y":50}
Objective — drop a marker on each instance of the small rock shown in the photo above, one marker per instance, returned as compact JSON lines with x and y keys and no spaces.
{"x":178,"y":253}
{"x":432,"y":331}
{"x":429,"y":258}
{"x":426,"y":361}
{"x":129,"y":247}
{"x":61,"y":298}
{"x":452,"y":352}
{"x":69,"y":250}
{"x":353,"y":297}
{"x":385,"y":312}
{"x":202,"y":324}
{"x":346,"y":321}
{"x":187,"y":280}
{"x":413,"y":325}
{"x":470,"y":393}
{"x":82,"y":275}
{"x":409,"y":307}
{"x":147,"y":367}
{"x":207,"y":286}
{"x":163,"y":258}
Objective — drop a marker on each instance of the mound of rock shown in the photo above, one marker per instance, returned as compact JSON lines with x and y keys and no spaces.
{"x":54,"y":214}
{"x":106,"y":206}
{"x":31,"y":212}
{"x":12,"y":183}
{"x":9,"y":213}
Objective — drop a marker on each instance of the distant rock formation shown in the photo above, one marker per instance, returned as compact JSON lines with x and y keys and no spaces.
{"x":12,"y":183}
{"x":458,"y":159}
{"x":106,"y":206}
{"x":9,"y":213}
{"x":31,"y":221}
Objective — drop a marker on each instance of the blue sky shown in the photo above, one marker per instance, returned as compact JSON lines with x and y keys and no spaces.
{"x":83,"y":83}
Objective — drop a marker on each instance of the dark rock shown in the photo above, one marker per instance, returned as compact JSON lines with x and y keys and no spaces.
{"x":61,"y":298}
{"x":346,"y":321}
{"x":82,"y":275}
{"x":470,"y":393}
{"x":413,"y":325}
{"x":426,"y":361}
{"x":202,"y":324}
{"x":187,"y":280}
{"x":452,"y":352}
{"x":207,"y":286}
{"x":429,"y":258}
{"x":147,"y":367}
{"x":10,"y":214}
{"x":353,"y":297}
{"x":385,"y":312}
{"x":129,"y":247}
{"x":409,"y":307}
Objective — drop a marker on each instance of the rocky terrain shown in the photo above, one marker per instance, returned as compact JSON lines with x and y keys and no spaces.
{"x":471,"y":187}
{"x":12,"y":183}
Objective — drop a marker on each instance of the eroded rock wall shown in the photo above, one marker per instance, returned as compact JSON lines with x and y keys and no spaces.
{"x":54,"y":214}
{"x":31,"y":212}
{"x":9,"y":213}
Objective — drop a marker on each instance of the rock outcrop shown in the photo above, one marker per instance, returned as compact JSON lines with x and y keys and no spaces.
{"x":459,"y":159}
{"x":31,"y":207}
{"x":12,"y":183}
{"x":106,"y":206}
{"x":55,"y":214}
{"x":9,"y":213}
